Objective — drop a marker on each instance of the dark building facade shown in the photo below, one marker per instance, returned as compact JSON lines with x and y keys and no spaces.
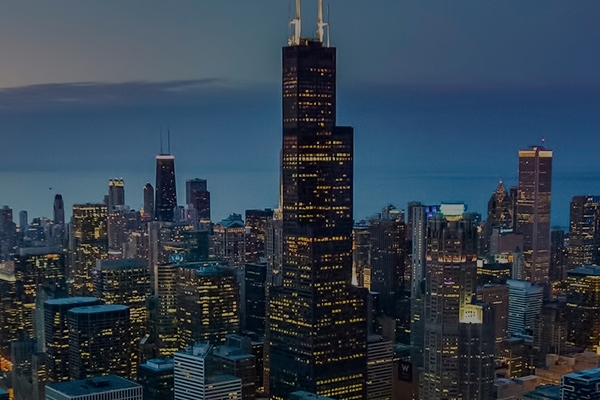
{"x":317,"y":329}
{"x":533,"y":211}
{"x":99,"y":341}
{"x":166,"y":192}
{"x":584,"y":235}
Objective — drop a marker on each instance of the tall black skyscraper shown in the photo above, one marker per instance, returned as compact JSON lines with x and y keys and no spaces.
{"x":59,"y":210}
{"x":149,"y":200}
{"x":166,"y":193}
{"x":317,"y":329}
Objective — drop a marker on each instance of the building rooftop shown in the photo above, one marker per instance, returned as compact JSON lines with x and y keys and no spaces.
{"x":159,"y":364}
{"x":93,"y":385}
{"x":586,"y":375}
{"x":585,"y":270}
{"x":99,"y":309}
{"x":121,"y":264}
{"x":299,"y":395}
{"x":71,"y":300}
{"x":544,"y":392}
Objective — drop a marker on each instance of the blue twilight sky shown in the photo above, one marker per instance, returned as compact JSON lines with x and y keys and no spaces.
{"x":442,"y":95}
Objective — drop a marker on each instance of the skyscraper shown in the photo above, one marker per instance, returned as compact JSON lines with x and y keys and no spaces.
{"x":208,"y":302}
{"x":166,"y":192}
{"x":90,"y":243}
{"x":317,"y":329}
{"x":56,"y":335}
{"x":533,"y":211}
{"x":116,"y":194}
{"x":457,"y":345}
{"x":99,"y":338}
{"x":103,"y":387}
{"x":584,"y":235}
{"x":59,"y":210}
{"x":149,"y":200}
{"x":196,"y":378}
{"x":524,"y":305}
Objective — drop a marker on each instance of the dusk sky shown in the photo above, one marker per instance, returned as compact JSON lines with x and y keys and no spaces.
{"x":442,"y":94}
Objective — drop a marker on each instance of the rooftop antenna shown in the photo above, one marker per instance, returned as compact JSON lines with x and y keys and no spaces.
{"x":297,"y":23}
{"x":321,"y":25}
{"x":327,"y":24}
{"x":161,"y":141}
{"x":169,"y":140}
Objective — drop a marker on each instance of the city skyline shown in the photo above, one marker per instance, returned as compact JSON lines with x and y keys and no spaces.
{"x":410,"y":121}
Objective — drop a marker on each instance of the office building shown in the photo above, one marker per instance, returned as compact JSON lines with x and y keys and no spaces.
{"x":235,"y":358}
{"x":198,"y":199}
{"x":96,"y":388}
{"x":582,"y":385}
{"x":303,"y":395}
{"x":255,"y":291}
{"x":387,"y":247}
{"x":99,"y":341}
{"x":207,"y":302}
{"x":497,"y":296}
{"x":126,"y":282}
{"x":558,"y":255}
{"x":23,"y":221}
{"x":459,"y":336}
{"x":584,"y":231}
{"x":583,"y":307}
{"x":256,"y":227}
{"x":309,"y":349}
{"x":59,"y":210}
{"x":550,"y":331}
{"x":533,"y":211}
{"x":8,"y":233}
{"x":524,"y":305}
{"x":148,"y":209}
{"x":166,"y":192}
{"x":116,"y":194}
{"x":380,"y":364}
{"x":499,"y":215}
{"x":196,"y":379}
{"x":56,"y":335}
{"x":229,"y":240}
{"x":157,"y":378}
{"x":361,"y":256}
{"x":89,"y":243}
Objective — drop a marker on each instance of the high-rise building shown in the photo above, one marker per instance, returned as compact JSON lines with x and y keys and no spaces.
{"x":361,"y":256}
{"x":581,"y":385}
{"x":149,"y":201}
{"x":524,"y":305}
{"x":317,"y":329}
{"x":235,"y":358}
{"x":550,"y":331}
{"x":56,"y":335}
{"x":230,"y":240}
{"x":59,"y":210}
{"x":196,"y":378}
{"x":584,"y":232}
{"x":96,"y":388}
{"x":126,"y":282}
{"x":89,"y":243}
{"x":207,"y":302}
{"x":497,"y":296}
{"x":558,"y":255}
{"x":380,"y":364}
{"x":255,"y":291}
{"x":166,"y":192}
{"x":8,"y":233}
{"x":583,"y":307}
{"x":456,"y":343}
{"x":194,"y":185}
{"x":99,"y":341}
{"x":157,"y":378}
{"x":116,"y":194}
{"x":256,"y":225}
{"x":386,"y":234}
{"x":533,"y":211}
{"x":23,"y":221}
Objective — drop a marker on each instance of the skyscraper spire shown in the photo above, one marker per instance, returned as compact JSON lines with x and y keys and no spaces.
{"x":297,"y":24}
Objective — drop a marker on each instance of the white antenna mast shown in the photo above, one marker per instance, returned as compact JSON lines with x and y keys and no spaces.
{"x":297,"y":23}
{"x":321,"y":25}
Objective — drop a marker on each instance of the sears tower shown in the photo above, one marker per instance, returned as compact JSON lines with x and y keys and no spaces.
{"x":317,"y":330}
